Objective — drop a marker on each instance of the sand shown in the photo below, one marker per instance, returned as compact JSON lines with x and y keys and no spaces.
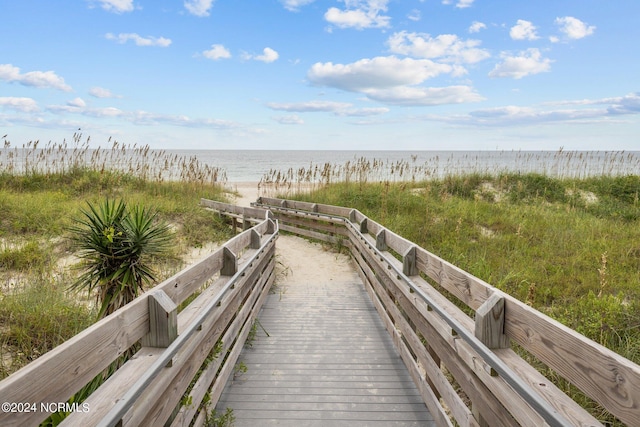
{"x":294,"y":252}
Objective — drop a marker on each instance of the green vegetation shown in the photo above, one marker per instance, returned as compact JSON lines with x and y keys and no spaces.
{"x":117,"y":245}
{"x":568,"y":247}
{"x":43,"y":192}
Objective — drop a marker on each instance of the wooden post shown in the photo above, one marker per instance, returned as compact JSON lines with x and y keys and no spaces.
{"x":314,"y":208}
{"x":163,"y":321}
{"x":283,"y":204}
{"x":489,"y":328}
{"x":229,"y":262}
{"x":246,"y":224}
{"x":409,"y":265}
{"x":363,"y":226}
{"x":255,"y":240}
{"x":271,"y":226}
{"x":489,"y":324}
{"x":381,"y":241}
{"x":352,"y":215}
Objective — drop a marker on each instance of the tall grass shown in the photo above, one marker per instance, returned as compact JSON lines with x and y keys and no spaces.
{"x":568,"y":247}
{"x":42,"y":191}
{"x":135,"y":161}
{"x":559,"y":164}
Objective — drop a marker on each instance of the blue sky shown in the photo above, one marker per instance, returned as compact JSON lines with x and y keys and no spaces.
{"x":316,"y":74}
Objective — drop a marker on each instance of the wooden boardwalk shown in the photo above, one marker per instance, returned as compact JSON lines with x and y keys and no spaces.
{"x":328,"y":361}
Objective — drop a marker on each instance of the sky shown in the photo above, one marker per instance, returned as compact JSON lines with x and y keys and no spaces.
{"x":320,"y":74}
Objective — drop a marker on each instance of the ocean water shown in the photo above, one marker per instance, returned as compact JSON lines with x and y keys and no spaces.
{"x":320,"y":165}
{"x":254,"y":165}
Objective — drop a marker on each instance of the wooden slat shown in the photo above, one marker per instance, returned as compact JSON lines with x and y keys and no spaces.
{"x":605,"y":376}
{"x":327,"y":360}
{"x":246,"y":316}
{"x":381,"y":300}
{"x":168,"y":387}
{"x":309,"y":233}
{"x":58,"y":374}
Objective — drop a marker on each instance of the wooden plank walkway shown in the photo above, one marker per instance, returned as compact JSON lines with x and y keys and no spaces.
{"x":328,"y":361}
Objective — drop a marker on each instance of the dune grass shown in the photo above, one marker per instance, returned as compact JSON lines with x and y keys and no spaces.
{"x":38,"y":206}
{"x":568,"y":247}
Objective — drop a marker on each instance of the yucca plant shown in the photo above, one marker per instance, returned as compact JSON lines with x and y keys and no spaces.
{"x":116,"y":244}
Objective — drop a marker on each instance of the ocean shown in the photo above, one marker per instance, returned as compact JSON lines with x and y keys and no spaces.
{"x":254,"y":165}
{"x":320,"y":165}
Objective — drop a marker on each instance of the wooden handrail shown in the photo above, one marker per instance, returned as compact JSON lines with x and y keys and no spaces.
{"x":229,"y":305}
{"x":402,"y":290}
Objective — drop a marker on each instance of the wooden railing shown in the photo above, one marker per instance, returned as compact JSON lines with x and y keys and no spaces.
{"x":452,"y":355}
{"x":220,"y":297}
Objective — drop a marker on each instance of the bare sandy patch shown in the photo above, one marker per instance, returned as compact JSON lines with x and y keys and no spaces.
{"x":245,"y":193}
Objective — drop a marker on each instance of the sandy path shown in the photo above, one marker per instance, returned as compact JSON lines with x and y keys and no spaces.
{"x":294,"y":252}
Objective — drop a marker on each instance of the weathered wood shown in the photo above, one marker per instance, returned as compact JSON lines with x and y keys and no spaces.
{"x":327,"y":360}
{"x":560,"y":401}
{"x":163,"y":320}
{"x":103,"y":399}
{"x":233,"y":210}
{"x":230,"y":262}
{"x":308,"y":233}
{"x":434,"y":376}
{"x":380,"y":281}
{"x":76,"y":362}
{"x":466,"y":287}
{"x":605,"y":376}
{"x":489,"y":323}
{"x":246,"y":316}
{"x":166,"y":390}
{"x":256,"y":240}
{"x":381,"y":243}
{"x":409,"y":266}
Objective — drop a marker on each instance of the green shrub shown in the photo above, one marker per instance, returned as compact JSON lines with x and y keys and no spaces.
{"x":115,"y":245}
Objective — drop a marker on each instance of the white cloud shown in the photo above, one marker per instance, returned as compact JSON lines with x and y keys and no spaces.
{"x":216,"y":52}
{"x":523,"y":30}
{"x":117,"y":6}
{"x":476,"y":26}
{"x":294,"y":5}
{"x":309,"y":106}
{"x":25,"y":105}
{"x":393,"y":81}
{"x":141,"y":117}
{"x":425,"y":96}
{"x":512,"y":115}
{"x":447,"y":47}
{"x":138,"y":40}
{"x":40,"y":79}
{"x":464,"y":3}
{"x":574,"y":28}
{"x":359,"y":14}
{"x":628,"y":104}
{"x":77,"y":102}
{"x":289,"y":120}
{"x":100,"y":92}
{"x":268,"y":55}
{"x":527,"y":63}
{"x":461,"y":4}
{"x":337,"y":108}
{"x":414,"y":15}
{"x":198,"y":7}
{"x":379,"y":72}
{"x":364,"y":112}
